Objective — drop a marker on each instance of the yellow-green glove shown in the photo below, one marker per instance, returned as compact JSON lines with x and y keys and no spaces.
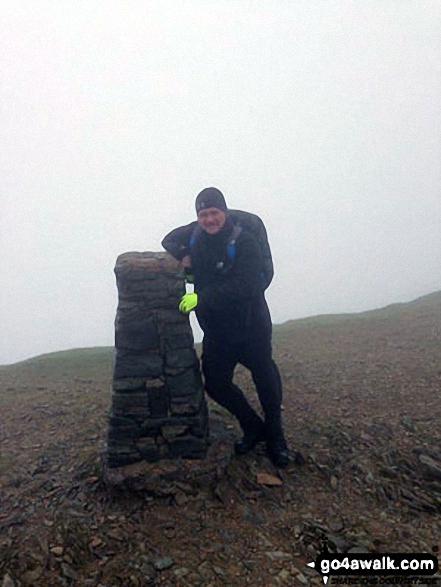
{"x":188,"y":302}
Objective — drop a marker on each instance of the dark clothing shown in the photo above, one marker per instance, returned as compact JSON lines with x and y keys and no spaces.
{"x":231,"y":304}
{"x":233,"y":313}
{"x":178,"y":240}
{"x":218,"y":364}
{"x":231,"y":301}
{"x":210,"y":198}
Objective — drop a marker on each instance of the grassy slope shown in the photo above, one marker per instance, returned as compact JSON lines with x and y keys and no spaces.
{"x":84,"y":362}
{"x":391,"y":312}
{"x":88,"y":362}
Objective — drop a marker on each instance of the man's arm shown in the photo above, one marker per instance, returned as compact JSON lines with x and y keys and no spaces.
{"x":255,"y":225}
{"x":177,"y":242}
{"x":268,"y":267}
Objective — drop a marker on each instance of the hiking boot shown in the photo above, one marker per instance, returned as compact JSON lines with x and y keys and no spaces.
{"x":278,"y":453}
{"x":248,"y":442}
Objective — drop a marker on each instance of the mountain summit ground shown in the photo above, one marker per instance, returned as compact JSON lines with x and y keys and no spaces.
{"x":362,"y":412}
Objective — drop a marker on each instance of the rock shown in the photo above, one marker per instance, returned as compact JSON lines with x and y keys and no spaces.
{"x":96,"y":542}
{"x":8,"y":581}
{"x":430,"y":467}
{"x":163,"y":563}
{"x":165,"y":478}
{"x":339,"y":542}
{"x":407,"y":423}
{"x":269,"y":480}
{"x":68,"y":571}
{"x":31,"y":577}
{"x":312,"y":551}
{"x":149,"y":573}
{"x":434,"y":486}
{"x":181,"y":572}
{"x":279,"y":555}
{"x":301,"y":577}
{"x":283,"y":575}
{"x":358,"y":550}
{"x":309,"y":571}
{"x":180,"y":498}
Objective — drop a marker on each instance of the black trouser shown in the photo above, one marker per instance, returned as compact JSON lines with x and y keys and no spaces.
{"x":218,"y":363}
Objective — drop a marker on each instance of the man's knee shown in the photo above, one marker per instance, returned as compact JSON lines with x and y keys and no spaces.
{"x":214,"y":389}
{"x":265,"y":373}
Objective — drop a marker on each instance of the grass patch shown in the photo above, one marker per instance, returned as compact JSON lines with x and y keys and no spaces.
{"x":84,"y":362}
{"x":97,"y":362}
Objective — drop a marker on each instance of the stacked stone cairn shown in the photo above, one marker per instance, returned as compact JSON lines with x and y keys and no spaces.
{"x":158,"y":406}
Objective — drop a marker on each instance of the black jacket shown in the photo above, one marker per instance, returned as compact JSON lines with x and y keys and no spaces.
{"x":177,"y":241}
{"x":231,"y":301}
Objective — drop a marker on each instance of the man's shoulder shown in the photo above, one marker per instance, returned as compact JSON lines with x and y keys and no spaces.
{"x":248,"y":224}
{"x":246,"y":219}
{"x":177,"y":241}
{"x":247,"y":238}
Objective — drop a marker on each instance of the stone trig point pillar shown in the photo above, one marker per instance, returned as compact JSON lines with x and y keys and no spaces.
{"x":158,"y":406}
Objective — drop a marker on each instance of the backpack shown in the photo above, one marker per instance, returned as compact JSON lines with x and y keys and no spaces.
{"x":253,"y":224}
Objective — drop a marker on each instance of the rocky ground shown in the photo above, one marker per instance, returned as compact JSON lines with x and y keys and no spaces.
{"x":362,"y":411}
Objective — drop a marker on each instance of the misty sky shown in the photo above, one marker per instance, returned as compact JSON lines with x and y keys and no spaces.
{"x":321,"y":116}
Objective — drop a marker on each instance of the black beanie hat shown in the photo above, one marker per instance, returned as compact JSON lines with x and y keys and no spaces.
{"x":210,"y":198}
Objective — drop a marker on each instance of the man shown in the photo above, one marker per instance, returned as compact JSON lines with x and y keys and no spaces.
{"x":229,"y":281}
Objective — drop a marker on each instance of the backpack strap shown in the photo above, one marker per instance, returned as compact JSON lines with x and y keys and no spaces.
{"x":194,"y":235}
{"x":231,"y":246}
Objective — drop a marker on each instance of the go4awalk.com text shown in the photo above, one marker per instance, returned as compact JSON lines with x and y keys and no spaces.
{"x":391,"y":568}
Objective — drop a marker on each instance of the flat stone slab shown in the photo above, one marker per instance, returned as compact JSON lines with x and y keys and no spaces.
{"x":169,"y":476}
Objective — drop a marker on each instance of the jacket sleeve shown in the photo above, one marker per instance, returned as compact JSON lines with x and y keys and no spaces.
{"x":177,"y":242}
{"x":255,"y":225}
{"x":267,"y":260}
{"x":242,"y":281}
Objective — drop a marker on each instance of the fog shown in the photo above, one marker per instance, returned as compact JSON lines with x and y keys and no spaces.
{"x":323,"y":117}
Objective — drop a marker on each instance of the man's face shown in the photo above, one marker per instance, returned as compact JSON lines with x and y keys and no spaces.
{"x":211,"y":219}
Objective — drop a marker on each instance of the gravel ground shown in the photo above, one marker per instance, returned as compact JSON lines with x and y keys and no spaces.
{"x":362,"y":412}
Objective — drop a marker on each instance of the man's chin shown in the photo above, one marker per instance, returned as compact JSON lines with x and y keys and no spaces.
{"x":212,"y":229}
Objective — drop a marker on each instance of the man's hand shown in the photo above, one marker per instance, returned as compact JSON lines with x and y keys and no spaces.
{"x":188,"y":302}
